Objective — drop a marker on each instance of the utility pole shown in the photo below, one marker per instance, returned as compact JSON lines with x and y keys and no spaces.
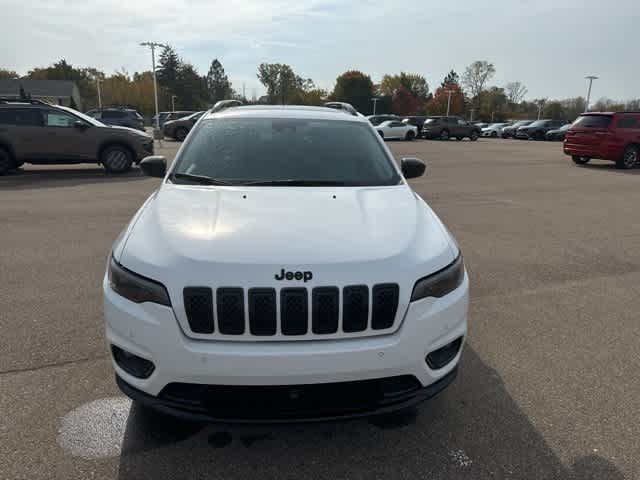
{"x":375,"y":103}
{"x":173,"y":103}
{"x":98,"y":82}
{"x":152,"y":46}
{"x":540,"y":105}
{"x":591,"y":78}
{"x":449,"y":92}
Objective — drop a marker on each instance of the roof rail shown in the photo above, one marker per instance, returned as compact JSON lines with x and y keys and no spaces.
{"x":345,"y":107}
{"x":32,"y":101}
{"x":224,"y":104}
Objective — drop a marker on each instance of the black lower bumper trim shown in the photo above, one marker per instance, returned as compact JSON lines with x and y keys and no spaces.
{"x":190,"y":412}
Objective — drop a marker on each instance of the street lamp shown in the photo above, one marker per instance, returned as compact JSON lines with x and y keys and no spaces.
{"x":449,"y":92}
{"x":173,"y":102}
{"x":98,"y":82}
{"x":375,"y":103}
{"x":152,"y":46}
{"x":591,"y":78}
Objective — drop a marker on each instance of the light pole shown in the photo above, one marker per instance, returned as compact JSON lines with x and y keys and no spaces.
{"x":152,"y":46}
{"x":173,"y":103}
{"x":591,"y":78}
{"x":540,"y":105}
{"x":98,"y":82}
{"x":375,"y":103}
{"x":449,"y":92}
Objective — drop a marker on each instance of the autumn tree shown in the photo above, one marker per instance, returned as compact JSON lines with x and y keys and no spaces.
{"x":438,"y":103}
{"x":404,"y":102}
{"x":8,"y":74}
{"x":356,"y":88}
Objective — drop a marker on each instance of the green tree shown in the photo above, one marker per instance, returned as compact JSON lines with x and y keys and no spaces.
{"x":493,"y":105}
{"x":168,"y":69}
{"x":281,"y":82}
{"x":356,"y":88}
{"x":191,"y":88}
{"x":452,"y":78}
{"x":554,"y":110}
{"x":218,"y":85}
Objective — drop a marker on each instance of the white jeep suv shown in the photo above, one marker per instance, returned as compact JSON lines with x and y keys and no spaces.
{"x":284,"y":271}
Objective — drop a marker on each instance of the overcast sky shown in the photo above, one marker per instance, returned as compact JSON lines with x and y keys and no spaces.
{"x":548,"y":45}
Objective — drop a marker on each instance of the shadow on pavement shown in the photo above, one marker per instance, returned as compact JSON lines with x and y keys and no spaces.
{"x":473,"y":430}
{"x":609,"y":167}
{"x":23,"y":179}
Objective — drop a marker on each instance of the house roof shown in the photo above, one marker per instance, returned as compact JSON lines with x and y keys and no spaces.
{"x":38,"y":88}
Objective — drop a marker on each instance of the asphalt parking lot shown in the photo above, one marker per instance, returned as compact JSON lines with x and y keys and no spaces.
{"x":548,"y":386}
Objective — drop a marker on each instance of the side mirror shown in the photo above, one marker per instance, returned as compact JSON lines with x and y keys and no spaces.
{"x":412,"y":167}
{"x":80,"y":124}
{"x":155,"y":166}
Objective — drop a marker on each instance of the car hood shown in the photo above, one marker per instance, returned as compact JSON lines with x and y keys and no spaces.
{"x":133,"y":131}
{"x":245,"y":235}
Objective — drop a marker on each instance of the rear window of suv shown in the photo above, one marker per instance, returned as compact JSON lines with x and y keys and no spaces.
{"x":250,"y":150}
{"x":593,"y":121}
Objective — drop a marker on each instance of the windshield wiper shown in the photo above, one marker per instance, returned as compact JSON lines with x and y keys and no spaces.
{"x":200,"y":179}
{"x":297,"y":183}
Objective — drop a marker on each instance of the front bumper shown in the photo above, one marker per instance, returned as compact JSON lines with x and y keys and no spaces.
{"x":152,"y":332}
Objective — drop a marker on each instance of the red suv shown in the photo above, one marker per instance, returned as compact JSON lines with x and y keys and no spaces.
{"x":606,"y":136}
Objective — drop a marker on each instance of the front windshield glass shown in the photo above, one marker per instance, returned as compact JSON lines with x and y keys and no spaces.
{"x":538,"y":123}
{"x":248,"y":150}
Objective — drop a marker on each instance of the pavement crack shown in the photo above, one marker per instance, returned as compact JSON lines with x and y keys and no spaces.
{"x":53,"y":365}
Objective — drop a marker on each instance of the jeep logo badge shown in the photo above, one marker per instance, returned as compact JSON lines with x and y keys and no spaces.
{"x":284,"y":275}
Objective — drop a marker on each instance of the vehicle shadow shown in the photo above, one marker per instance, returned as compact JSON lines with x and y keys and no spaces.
{"x":22,"y":179}
{"x":473,"y":430}
{"x":609,"y":167}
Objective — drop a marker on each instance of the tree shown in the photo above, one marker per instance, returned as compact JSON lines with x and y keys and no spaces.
{"x":191,"y":88}
{"x":438,"y":104}
{"x":416,"y":84}
{"x":218,"y":85}
{"x":554,"y":110}
{"x":404,"y":102}
{"x":493,"y":103}
{"x":476,"y":76}
{"x":356,"y":88}
{"x":452,"y":78}
{"x":280,"y":80}
{"x":8,"y":74}
{"x":168,"y":69}
{"x":515,"y":92}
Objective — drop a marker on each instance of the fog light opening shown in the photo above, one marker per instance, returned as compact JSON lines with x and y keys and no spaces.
{"x":442,"y":356}
{"x":132,"y":364}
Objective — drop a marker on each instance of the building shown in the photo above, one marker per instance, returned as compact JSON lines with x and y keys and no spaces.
{"x":60,"y":92}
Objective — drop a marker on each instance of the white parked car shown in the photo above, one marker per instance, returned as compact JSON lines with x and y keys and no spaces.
{"x":284,"y":270}
{"x":396,"y":129}
{"x":494,"y":130}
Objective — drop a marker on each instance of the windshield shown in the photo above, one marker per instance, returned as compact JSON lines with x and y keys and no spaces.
{"x":538,"y":123}
{"x":521,"y":123}
{"x":249,"y":150}
{"x":193,"y":116}
{"x":83,"y":116}
{"x":593,"y":121}
{"x":431,"y":120}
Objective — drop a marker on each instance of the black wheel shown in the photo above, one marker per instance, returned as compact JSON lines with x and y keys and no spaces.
{"x":181,"y":134}
{"x":474,"y":136}
{"x":580,"y":160}
{"x":410,"y":135}
{"x":538,"y":136}
{"x":494,"y":134}
{"x":6,"y":162}
{"x":116,"y":159}
{"x":444,"y":135}
{"x":459,"y":139}
{"x":630,"y":158}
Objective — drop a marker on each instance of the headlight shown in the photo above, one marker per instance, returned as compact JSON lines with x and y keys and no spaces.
{"x":440,"y":283}
{"x":134,"y":287}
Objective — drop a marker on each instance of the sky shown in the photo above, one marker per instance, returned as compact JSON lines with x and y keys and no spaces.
{"x":548,"y":45}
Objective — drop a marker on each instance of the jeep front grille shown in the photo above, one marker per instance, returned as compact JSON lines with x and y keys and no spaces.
{"x":291,"y":312}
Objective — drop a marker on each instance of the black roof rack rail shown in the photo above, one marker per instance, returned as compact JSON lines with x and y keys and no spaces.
{"x":32,"y":101}
{"x":224,"y":104}
{"x":345,"y":107}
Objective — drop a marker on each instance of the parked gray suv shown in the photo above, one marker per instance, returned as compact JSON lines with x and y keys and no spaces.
{"x":120,"y":116}
{"x":35,"y":132}
{"x":445,"y":128}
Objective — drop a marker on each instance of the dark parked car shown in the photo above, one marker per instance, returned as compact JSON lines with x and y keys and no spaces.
{"x":378,"y":119}
{"x":606,"y":136}
{"x":166,"y":116}
{"x":36,"y":132}
{"x":120,"y":116}
{"x":416,"y":121}
{"x":557,"y":134}
{"x":450,"y":127}
{"x":538,"y":129}
{"x":510,"y":131}
{"x":180,"y":128}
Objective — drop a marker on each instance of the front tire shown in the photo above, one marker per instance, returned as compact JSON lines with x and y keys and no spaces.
{"x":630,"y":158}
{"x":116,"y":159}
{"x":474,"y":136}
{"x":444,"y":135}
{"x":580,"y":160}
{"x":459,"y":139}
{"x":6,"y":162}
{"x":181,"y":134}
{"x":410,"y":136}
{"x":494,"y":134}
